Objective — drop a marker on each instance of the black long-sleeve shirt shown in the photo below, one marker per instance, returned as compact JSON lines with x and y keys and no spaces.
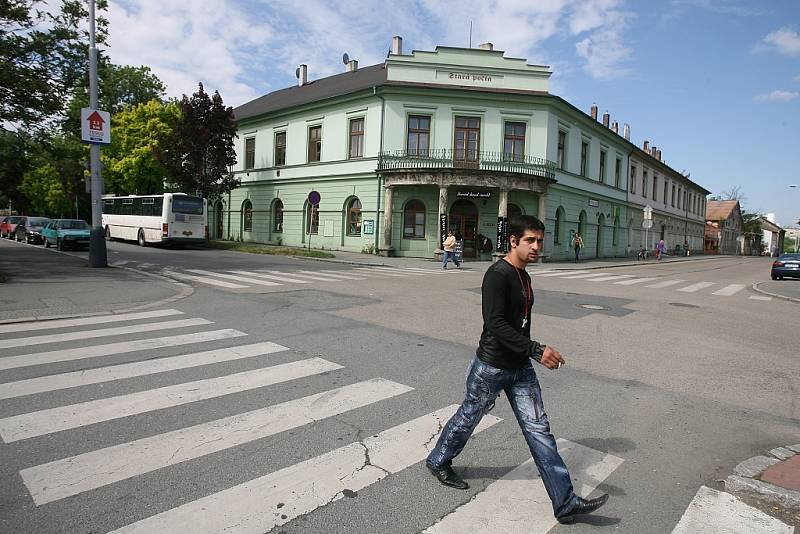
{"x":505,"y":342}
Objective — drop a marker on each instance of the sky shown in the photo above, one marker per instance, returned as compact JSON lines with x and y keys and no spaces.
{"x":714,"y":84}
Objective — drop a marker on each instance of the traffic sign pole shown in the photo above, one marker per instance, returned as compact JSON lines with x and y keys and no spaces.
{"x":97,"y":244}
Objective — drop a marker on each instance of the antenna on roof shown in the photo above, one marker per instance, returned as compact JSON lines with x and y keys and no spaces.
{"x":470,"y":34}
{"x":345,"y":58}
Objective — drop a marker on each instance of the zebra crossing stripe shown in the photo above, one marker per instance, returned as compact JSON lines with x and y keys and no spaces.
{"x":120,"y":263}
{"x":250,"y":508}
{"x":759,"y":297}
{"x":234,"y":277}
{"x":102,"y":319}
{"x":70,"y":476}
{"x":104,"y":332}
{"x":202,"y":279}
{"x":41,"y":358}
{"x":374,"y":271}
{"x":314,"y":276}
{"x":664,"y":284}
{"x":518,"y":502}
{"x":584,"y":275}
{"x":696,"y":287}
{"x":425,"y":270}
{"x":611,"y":277}
{"x":336,"y":277}
{"x":86,"y":377}
{"x":715,"y":511}
{"x":272,"y":277}
{"x":144,"y":265}
{"x":562,"y":273}
{"x":635,"y":281}
{"x":29,"y":425}
{"x":412,"y":272}
{"x":727,"y":291}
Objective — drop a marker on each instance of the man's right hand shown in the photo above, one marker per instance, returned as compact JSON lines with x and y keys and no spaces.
{"x":551,"y":358}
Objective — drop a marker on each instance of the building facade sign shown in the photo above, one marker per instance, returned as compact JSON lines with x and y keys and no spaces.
{"x":469,"y":78}
{"x":474,"y":194}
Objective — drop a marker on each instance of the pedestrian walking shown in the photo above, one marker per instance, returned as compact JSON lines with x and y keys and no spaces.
{"x":503,"y":362}
{"x":449,"y":247}
{"x":577,"y":244}
{"x":660,"y":249}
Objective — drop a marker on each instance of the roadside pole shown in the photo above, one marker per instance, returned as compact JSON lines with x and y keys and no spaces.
{"x":97,"y":244}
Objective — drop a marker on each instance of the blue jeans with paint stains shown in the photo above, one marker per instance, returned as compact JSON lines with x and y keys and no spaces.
{"x":484,"y":384}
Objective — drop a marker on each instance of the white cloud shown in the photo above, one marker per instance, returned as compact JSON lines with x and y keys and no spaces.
{"x":785,"y":40}
{"x":776,"y":96}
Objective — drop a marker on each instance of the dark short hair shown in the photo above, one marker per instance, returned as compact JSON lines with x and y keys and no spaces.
{"x":519,"y":223}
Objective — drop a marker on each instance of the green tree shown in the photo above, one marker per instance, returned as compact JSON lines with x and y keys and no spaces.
{"x":130,"y":163}
{"x":14,"y":162}
{"x":45,"y":192}
{"x":199,"y":153}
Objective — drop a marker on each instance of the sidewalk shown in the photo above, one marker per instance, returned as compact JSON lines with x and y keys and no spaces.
{"x":37,"y":287}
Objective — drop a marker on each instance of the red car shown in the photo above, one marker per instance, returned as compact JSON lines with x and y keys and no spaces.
{"x":9,"y":225}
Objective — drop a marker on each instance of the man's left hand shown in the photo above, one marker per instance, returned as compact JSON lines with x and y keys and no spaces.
{"x":551,"y":358}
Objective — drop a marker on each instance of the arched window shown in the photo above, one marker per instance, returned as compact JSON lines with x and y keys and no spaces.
{"x":414,"y":220}
{"x":582,"y":223}
{"x":312,"y":218}
{"x":615,"y":234}
{"x":513,"y":210}
{"x":277,"y":215}
{"x":354,"y":218}
{"x":558,"y":227}
{"x":247,"y":216}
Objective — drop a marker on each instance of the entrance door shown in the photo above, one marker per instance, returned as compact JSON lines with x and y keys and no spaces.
{"x":464,"y":221}
{"x":467,"y":142}
{"x":219,"y":220}
{"x":601,"y":222}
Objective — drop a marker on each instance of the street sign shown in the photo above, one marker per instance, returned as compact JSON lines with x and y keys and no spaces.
{"x":314,"y":198}
{"x":648,"y":212}
{"x":647,"y":224}
{"x":95,"y":126}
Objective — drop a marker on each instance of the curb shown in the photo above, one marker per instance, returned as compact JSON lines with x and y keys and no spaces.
{"x":744,"y":479}
{"x":776,"y":295}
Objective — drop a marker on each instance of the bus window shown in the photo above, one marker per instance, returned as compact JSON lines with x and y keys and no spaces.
{"x":187,"y":205}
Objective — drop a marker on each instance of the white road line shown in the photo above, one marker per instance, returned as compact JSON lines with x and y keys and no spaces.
{"x":41,"y":358}
{"x":315,"y":276}
{"x":350,"y":274}
{"x":103,"y":332}
{"x":234,"y":277}
{"x":336,"y":277}
{"x":727,"y":291}
{"x":86,"y":377}
{"x":120,"y":263}
{"x":202,"y":279}
{"x":635,"y":281}
{"x":272,"y":277}
{"x":62,"y":323}
{"x":29,"y":425}
{"x":371,"y":270}
{"x":666,"y":283}
{"x":518,"y":502}
{"x":583,"y":275}
{"x":695,"y":287}
{"x":759,"y":297}
{"x":562,"y":273}
{"x":425,"y":270}
{"x":70,"y":476}
{"x":717,"y":512}
{"x":144,"y":265}
{"x":611,"y":277}
{"x":412,"y":272}
{"x":250,"y":508}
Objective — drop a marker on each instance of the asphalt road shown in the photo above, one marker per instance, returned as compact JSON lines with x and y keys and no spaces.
{"x":665,"y":390}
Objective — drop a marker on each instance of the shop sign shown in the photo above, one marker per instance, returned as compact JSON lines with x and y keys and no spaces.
{"x":473,"y":194}
{"x":593,"y":202}
{"x":442,"y":227}
{"x":369,"y":226}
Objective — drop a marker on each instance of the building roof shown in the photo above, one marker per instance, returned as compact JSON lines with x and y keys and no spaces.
{"x":769,"y":225}
{"x":720,"y":209}
{"x":313,"y":91}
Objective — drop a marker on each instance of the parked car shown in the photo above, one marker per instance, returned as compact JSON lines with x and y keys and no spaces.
{"x":9,"y":225}
{"x":786,"y":265}
{"x":66,"y":233}
{"x":29,"y":229}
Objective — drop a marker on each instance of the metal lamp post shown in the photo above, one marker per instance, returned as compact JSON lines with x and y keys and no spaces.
{"x":97,"y":243}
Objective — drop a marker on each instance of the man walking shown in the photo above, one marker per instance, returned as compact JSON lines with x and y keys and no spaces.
{"x":577,"y":245}
{"x":449,"y":247}
{"x":503,"y":363}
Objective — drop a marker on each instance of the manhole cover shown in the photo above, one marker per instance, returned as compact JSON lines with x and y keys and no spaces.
{"x":682,"y":305}
{"x":591,"y":306}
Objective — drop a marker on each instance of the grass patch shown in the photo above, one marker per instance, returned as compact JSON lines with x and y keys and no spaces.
{"x":256,"y":248}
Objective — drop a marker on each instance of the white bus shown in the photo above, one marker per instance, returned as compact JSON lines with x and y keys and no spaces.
{"x":166,"y":218}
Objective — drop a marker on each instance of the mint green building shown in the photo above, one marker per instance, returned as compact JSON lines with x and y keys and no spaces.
{"x":397,"y":153}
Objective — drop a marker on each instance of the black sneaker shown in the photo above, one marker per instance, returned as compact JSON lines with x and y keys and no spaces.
{"x":448,"y":477}
{"x":583,"y":506}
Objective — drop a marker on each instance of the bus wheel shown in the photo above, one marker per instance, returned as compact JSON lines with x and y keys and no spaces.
{"x":141,"y":239}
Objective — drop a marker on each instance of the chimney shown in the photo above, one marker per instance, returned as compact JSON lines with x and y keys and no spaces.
{"x":302,"y":74}
{"x":486,"y":46}
{"x":594,"y":111}
{"x":615,"y":127}
{"x":397,"y":45}
{"x":653,"y":151}
{"x":646,"y":146}
{"x":352,"y":65}
{"x":626,"y":132}
{"x":658,"y":155}
{"x":606,"y":118}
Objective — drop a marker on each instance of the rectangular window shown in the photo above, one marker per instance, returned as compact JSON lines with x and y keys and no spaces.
{"x":644,"y":184}
{"x":514,"y":142}
{"x":602,"y":176}
{"x":315,"y":143}
{"x":655,"y":186}
{"x":280,"y":149}
{"x":617,"y":172}
{"x":356,"y":138}
{"x":632,"y":179}
{"x":584,"y":157}
{"x":466,"y":141}
{"x":666,"y":188}
{"x":562,"y":147}
{"x":673,"y":196}
{"x":249,"y":153}
{"x":419,"y":135}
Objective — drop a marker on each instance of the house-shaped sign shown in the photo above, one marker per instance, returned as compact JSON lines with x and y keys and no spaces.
{"x":95,"y":126}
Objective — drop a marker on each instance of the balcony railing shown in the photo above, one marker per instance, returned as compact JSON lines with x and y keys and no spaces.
{"x":447,"y":158}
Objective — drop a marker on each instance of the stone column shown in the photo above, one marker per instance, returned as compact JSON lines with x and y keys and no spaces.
{"x":387,"y":221}
{"x":442,"y":222}
{"x":542,"y":217}
{"x":500,"y":248}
